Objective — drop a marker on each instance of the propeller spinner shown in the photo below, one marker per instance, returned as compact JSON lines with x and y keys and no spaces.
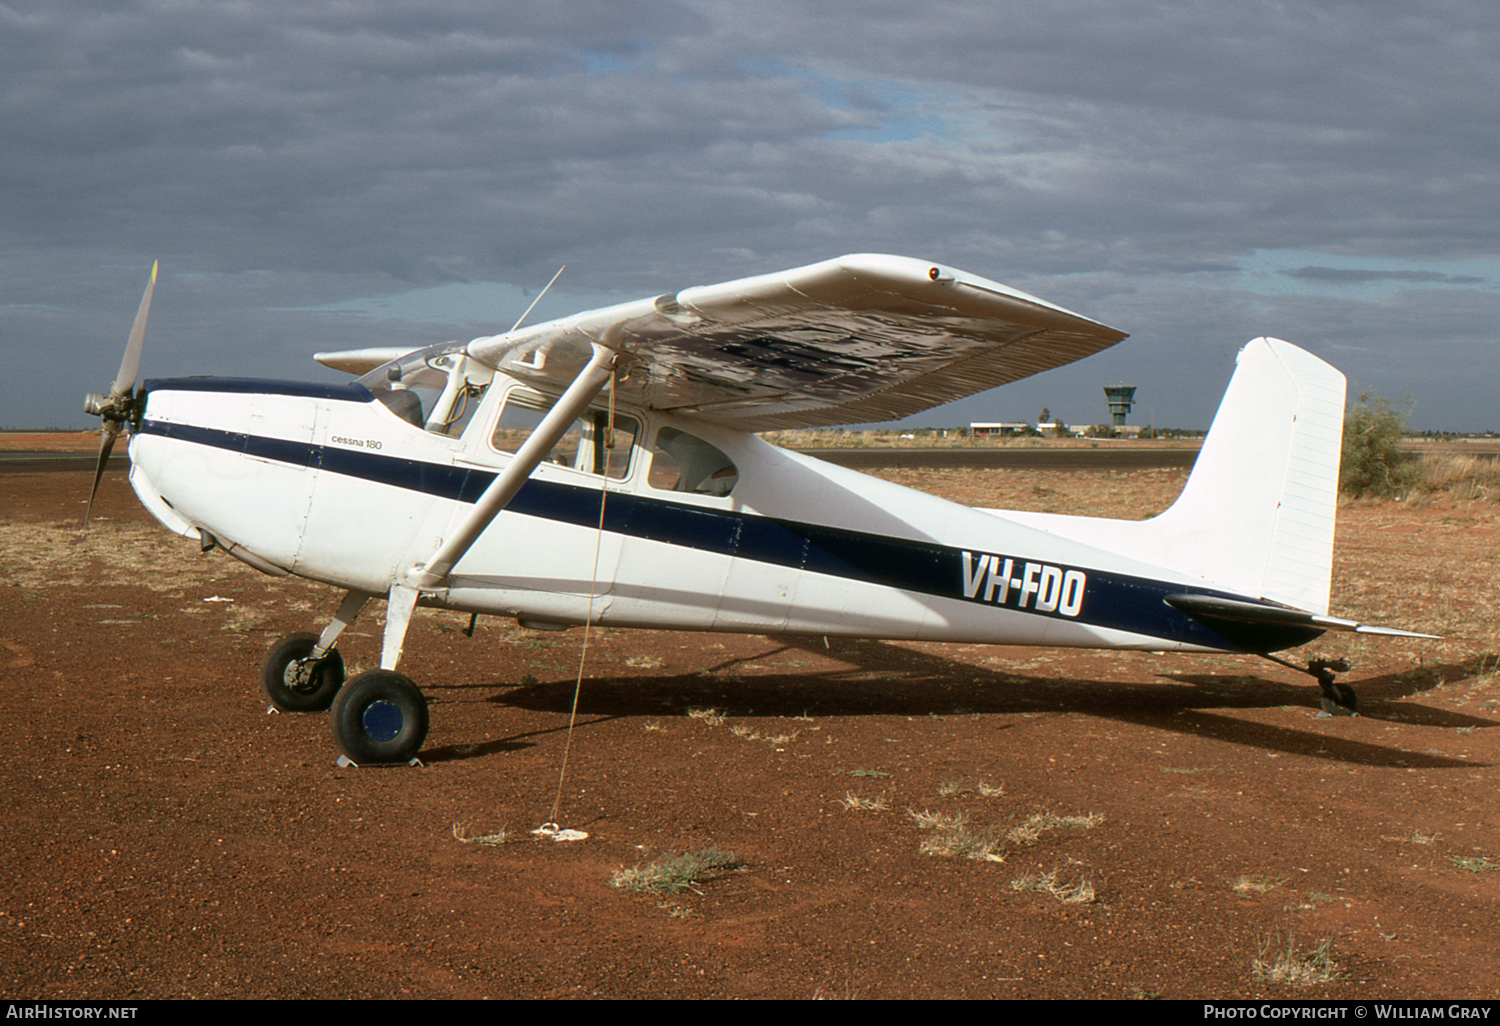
{"x":116,"y":407}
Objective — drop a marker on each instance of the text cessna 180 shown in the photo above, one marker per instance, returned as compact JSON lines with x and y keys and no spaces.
{"x":604,"y":468}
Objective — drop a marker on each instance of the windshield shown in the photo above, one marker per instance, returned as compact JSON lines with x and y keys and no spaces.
{"x":437,"y":388}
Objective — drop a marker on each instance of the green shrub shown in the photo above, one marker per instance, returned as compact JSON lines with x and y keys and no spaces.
{"x":1372,"y":464}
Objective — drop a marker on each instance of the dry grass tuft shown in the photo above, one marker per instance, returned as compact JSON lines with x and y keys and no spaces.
{"x":1488,"y":672}
{"x":1079,"y":893}
{"x":952,"y":835}
{"x":929,"y":820}
{"x":1040,"y":823}
{"x":1294,"y":968}
{"x":854,"y":803}
{"x":750,"y":734}
{"x":461,"y":835}
{"x":712,"y":717}
{"x":961,"y":842}
{"x":1464,"y":476}
{"x":244,"y":619}
{"x":1475,"y":863}
{"x":1247,"y":885}
{"x":677,"y":872}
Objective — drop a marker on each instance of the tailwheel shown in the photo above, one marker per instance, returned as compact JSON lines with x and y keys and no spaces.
{"x":1338,"y":699}
{"x":380,"y":716}
{"x":295,"y":682}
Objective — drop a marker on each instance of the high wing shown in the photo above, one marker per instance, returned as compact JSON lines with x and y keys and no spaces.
{"x":856,"y":339}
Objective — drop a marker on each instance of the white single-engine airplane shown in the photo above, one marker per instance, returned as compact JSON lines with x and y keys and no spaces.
{"x":603,"y":468}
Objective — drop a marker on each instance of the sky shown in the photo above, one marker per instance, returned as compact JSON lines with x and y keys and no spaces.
{"x":351,"y":173}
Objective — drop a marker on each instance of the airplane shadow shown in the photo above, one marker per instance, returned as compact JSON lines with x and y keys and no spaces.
{"x":882,"y":679}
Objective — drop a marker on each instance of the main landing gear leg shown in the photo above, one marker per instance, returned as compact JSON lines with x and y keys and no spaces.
{"x":1338,"y":698}
{"x":350,"y":608}
{"x":380,"y":716}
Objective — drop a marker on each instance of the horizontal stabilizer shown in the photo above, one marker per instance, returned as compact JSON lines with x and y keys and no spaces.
{"x":1265,"y":628}
{"x":362,"y":361}
{"x":1337,"y":624}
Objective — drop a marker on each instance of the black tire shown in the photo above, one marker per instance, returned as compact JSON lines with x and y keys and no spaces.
{"x":379,"y":717}
{"x":291,"y":684}
{"x":1339,"y":700}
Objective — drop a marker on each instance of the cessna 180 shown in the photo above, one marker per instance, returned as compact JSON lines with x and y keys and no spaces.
{"x":604,"y":468}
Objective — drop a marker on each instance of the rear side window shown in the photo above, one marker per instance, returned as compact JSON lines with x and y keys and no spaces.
{"x":681,"y":462}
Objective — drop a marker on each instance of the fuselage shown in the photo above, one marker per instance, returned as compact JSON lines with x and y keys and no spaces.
{"x":681,"y":525}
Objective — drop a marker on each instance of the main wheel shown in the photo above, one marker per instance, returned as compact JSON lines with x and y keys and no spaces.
{"x":379,"y":716}
{"x":293,"y":683}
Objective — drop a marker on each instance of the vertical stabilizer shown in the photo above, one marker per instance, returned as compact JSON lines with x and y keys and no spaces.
{"x":1257,"y":513}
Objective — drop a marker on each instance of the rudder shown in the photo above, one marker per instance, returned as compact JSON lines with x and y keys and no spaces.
{"x":1257,"y":513}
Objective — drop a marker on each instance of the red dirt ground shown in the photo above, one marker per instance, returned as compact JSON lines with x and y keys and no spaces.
{"x":166,"y":838}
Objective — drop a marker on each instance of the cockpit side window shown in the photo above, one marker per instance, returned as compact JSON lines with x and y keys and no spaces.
{"x":681,"y":462}
{"x":589,"y":445}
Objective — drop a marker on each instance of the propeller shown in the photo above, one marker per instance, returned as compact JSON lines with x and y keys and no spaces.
{"x":117,"y":407}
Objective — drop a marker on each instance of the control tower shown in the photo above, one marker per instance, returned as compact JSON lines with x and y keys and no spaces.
{"x":1120,"y":399}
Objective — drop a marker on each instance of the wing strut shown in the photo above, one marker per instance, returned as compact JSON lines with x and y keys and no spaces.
{"x":590,"y":381}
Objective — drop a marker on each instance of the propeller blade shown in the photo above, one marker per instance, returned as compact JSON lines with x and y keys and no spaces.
{"x":131,"y":363}
{"x":115,"y":408}
{"x":106,"y":443}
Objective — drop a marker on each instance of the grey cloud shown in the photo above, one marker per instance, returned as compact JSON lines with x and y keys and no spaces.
{"x":1124,"y":158}
{"x":1352,"y":276}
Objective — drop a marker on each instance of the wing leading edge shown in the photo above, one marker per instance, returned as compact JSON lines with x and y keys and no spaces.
{"x":851,"y":340}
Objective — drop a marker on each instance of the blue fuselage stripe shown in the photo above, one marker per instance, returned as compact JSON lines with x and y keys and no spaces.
{"x":350,"y":392}
{"x":1110,"y":600}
